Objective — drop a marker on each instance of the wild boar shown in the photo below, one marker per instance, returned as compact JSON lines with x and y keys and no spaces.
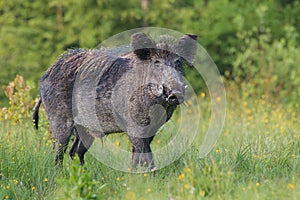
{"x":91,"y":93}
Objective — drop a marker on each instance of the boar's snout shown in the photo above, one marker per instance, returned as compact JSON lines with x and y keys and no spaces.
{"x":175,"y":97}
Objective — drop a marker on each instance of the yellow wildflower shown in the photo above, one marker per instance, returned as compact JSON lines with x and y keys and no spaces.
{"x":202,"y":193}
{"x":248,"y":111}
{"x":292,"y":186}
{"x":117,"y":143}
{"x":181,"y":176}
{"x":130,"y":195}
{"x":188,"y":170}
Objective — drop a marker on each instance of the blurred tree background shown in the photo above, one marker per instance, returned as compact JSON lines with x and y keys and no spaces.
{"x":255,"y":44}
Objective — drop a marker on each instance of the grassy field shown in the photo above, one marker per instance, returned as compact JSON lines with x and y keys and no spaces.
{"x":256,"y":157}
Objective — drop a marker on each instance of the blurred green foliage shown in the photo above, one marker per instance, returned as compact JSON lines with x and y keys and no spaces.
{"x":248,"y":40}
{"x":267,"y":66}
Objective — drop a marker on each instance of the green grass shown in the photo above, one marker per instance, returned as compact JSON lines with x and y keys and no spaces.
{"x":256,"y":157}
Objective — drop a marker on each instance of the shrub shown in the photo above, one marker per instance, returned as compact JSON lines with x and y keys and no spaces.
{"x":20,"y":101}
{"x":268,"y":67}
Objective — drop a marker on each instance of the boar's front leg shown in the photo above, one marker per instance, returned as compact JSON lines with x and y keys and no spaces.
{"x":74,"y":146}
{"x":81,"y":144}
{"x":141,"y":152}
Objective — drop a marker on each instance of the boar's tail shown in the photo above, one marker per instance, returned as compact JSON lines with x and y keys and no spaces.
{"x":35,"y":115}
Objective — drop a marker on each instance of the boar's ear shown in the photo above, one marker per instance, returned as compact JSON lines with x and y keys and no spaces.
{"x":142,"y":45}
{"x":186,"y":47}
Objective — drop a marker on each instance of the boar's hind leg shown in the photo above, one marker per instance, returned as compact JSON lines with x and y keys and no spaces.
{"x":62,"y":132}
{"x":141,"y":152}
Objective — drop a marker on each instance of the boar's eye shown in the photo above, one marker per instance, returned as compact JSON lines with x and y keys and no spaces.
{"x":178,"y":62}
{"x":156,"y":62}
